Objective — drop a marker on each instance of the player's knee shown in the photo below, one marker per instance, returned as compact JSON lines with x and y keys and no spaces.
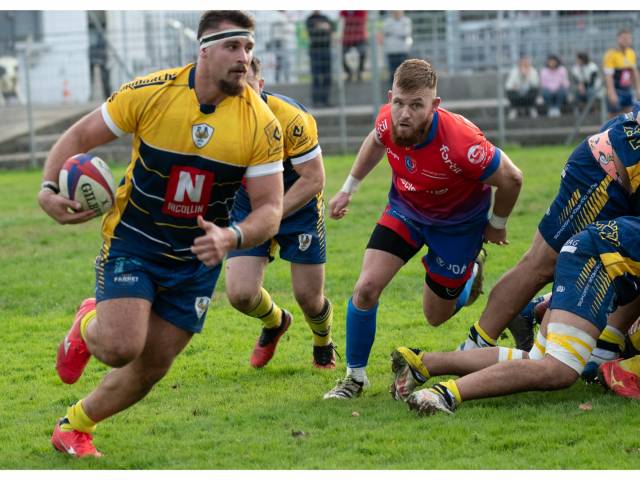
{"x":434,"y":318}
{"x":555,"y":375}
{"x":242,"y":299}
{"x":311,"y":303}
{"x":119,"y":354}
{"x":366,"y":294}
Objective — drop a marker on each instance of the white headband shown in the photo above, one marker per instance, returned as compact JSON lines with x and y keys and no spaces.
{"x":209,"y":40}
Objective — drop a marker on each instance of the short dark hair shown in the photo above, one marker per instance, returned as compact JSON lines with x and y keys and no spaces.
{"x":415,"y":74}
{"x":622,"y":31}
{"x":213,"y":18}
{"x":583,"y":57}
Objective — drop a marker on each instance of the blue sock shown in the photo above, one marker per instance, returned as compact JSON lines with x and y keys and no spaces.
{"x":464,"y":296}
{"x":361,"y":331}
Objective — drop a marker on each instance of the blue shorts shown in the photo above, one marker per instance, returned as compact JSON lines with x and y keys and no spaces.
{"x":581,"y":285}
{"x":586,"y":194}
{"x":301,"y":236}
{"x":452,"y":248}
{"x":179,"y":294}
{"x":625,"y":100}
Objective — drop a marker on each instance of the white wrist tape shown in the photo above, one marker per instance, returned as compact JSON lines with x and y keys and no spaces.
{"x":350,"y":185}
{"x":498,"y":222}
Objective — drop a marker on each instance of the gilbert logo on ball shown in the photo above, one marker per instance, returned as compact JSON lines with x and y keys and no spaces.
{"x":87,"y":180}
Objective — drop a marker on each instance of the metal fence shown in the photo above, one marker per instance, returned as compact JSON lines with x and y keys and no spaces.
{"x":75,"y":57}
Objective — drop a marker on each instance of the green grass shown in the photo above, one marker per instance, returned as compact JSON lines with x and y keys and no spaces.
{"x":213,"y":411}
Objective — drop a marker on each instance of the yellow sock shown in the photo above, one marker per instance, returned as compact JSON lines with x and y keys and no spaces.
{"x":490,"y":341}
{"x":612,"y":335}
{"x":78,"y":419}
{"x":632,"y":364}
{"x":453,"y":388}
{"x":84,"y":323}
{"x":267,"y":311}
{"x":321,"y":325}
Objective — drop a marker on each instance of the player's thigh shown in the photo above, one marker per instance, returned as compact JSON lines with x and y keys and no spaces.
{"x":378,"y":269}
{"x":541,"y":258}
{"x":122,"y":322}
{"x":244,"y":275}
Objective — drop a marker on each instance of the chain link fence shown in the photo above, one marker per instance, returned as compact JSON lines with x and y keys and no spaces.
{"x":78,"y":57}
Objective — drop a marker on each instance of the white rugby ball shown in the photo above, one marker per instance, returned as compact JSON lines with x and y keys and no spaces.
{"x":89,"y":181}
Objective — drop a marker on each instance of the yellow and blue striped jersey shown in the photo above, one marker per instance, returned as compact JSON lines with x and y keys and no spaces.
{"x":299,"y":130}
{"x":187,"y":160}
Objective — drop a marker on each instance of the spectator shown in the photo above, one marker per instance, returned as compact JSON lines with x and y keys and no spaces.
{"x":281,"y":43}
{"x":397,"y":40}
{"x":320,"y":29}
{"x":354,"y":35}
{"x":522,"y":88}
{"x":586,"y":76}
{"x":621,"y":75}
{"x":554,"y":83}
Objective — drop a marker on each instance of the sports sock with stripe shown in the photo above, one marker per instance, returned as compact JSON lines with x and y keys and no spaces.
{"x":77,"y":419}
{"x":266,"y":311}
{"x":320,"y":325}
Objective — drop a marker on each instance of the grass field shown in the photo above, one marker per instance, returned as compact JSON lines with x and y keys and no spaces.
{"x":213,"y":411}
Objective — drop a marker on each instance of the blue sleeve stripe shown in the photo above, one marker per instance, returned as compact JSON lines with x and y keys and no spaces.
{"x":493,"y":166}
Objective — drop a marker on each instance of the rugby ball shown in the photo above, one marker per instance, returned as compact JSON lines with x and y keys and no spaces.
{"x":87,"y":180}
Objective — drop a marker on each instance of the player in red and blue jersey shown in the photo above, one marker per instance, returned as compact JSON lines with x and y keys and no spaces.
{"x":443,"y":169}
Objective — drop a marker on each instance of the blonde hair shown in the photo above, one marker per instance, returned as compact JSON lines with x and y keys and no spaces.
{"x":415,"y":74}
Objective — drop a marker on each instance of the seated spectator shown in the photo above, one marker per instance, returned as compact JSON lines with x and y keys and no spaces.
{"x":522,"y":89}
{"x":554,"y":83}
{"x":586,"y":76}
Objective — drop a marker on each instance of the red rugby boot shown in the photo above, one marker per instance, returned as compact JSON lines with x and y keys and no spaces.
{"x":268,"y":341}
{"x":614,"y":376}
{"x":74,"y":443}
{"x":73,"y":354}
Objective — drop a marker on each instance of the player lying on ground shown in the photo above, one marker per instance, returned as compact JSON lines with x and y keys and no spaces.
{"x":598,"y":269}
{"x":443,"y":170}
{"x":197,"y":131}
{"x":301,"y":238}
{"x":597,"y":183}
{"x":614,"y":341}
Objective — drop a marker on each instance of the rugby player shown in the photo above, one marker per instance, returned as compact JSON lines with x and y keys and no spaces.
{"x":197,"y":131}
{"x":597,"y":270}
{"x":443,"y":170}
{"x":301,"y":238}
{"x":598,"y":182}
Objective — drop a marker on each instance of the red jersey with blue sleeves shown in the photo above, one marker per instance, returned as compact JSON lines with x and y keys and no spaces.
{"x":439,"y":182}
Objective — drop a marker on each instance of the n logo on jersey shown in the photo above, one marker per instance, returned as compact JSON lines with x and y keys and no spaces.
{"x":201,"y":134}
{"x":188,"y":192}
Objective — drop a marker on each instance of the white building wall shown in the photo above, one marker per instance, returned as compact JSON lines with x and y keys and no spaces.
{"x":59,"y":70}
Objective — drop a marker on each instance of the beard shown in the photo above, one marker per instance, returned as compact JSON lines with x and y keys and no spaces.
{"x":231,"y":88}
{"x":413,"y":138}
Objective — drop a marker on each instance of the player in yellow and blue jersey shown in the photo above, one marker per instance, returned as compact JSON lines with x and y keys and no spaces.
{"x":598,"y":270}
{"x":301,"y":238}
{"x":197,"y":132}
{"x":621,"y":74}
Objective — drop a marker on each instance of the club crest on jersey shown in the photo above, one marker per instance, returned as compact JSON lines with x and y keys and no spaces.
{"x":304,"y":241}
{"x":410,"y":164}
{"x":201,"y":134}
{"x":201,"y":305}
{"x":476,"y":154}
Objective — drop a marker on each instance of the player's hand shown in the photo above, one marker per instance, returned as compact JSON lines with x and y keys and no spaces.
{"x":63,"y":210}
{"x":338,"y":205}
{"x":495,"y":235}
{"x":211,"y":247}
